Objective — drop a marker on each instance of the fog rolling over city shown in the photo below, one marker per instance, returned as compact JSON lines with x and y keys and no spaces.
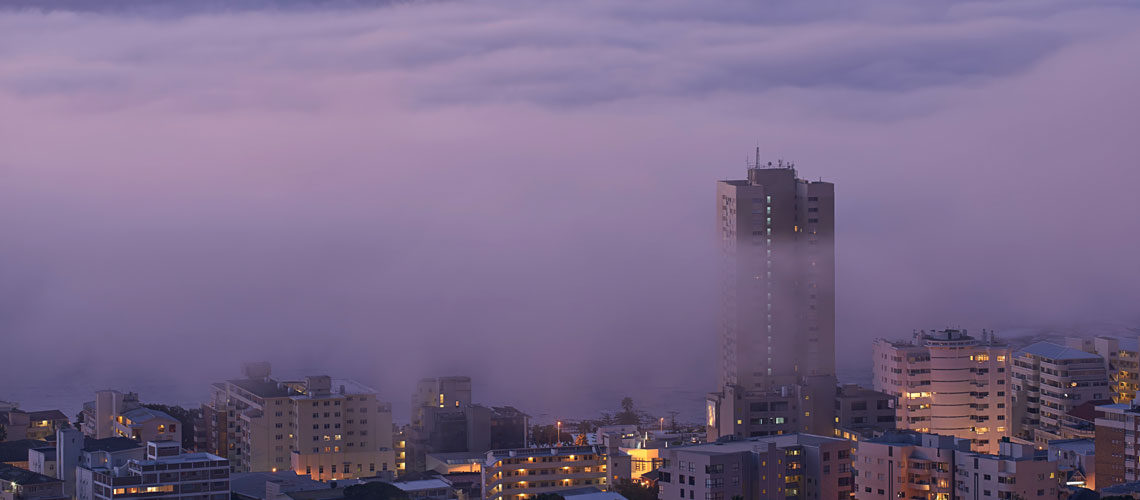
{"x":523,"y":192}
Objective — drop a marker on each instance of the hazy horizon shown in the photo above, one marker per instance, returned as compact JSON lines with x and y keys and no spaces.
{"x":523,"y":192}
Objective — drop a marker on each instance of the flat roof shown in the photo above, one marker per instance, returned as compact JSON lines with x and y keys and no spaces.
{"x":252,"y":484}
{"x":749,"y":444}
{"x":20,"y":476}
{"x":1085,"y":446}
{"x":422,"y":484}
{"x":1050,"y":350}
{"x":17,"y":451}
{"x":111,"y":444}
{"x":183,"y":458}
{"x":262,"y":388}
{"x":142,"y":414}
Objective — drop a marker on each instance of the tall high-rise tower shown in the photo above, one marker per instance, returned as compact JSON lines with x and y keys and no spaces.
{"x":777,"y":360}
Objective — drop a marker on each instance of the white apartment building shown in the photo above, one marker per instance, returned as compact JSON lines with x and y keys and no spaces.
{"x":1049,"y":380}
{"x":949,"y":383}
{"x":166,"y":474}
{"x":322,"y":427}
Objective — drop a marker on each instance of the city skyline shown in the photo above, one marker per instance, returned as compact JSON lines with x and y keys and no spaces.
{"x":446,"y":183}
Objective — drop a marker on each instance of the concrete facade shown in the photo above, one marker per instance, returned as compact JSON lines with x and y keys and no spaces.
{"x":165,"y":473}
{"x":949,"y":383}
{"x":322,"y":427}
{"x":778,"y":303}
{"x":1049,"y":380}
{"x":791,"y":466}
{"x":526,"y":472}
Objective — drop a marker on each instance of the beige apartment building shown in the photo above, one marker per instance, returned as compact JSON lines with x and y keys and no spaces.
{"x":118,"y":414}
{"x":1048,"y":381}
{"x":527,"y":472}
{"x":322,"y":427}
{"x":777,"y":305}
{"x":948,"y":383}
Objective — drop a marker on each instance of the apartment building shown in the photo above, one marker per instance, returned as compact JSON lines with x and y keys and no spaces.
{"x":1117,"y":446}
{"x":911,"y":465}
{"x":117,"y":414}
{"x":445,"y":420}
{"x":165,"y":473}
{"x":1048,"y":381}
{"x":863,"y":411}
{"x":777,"y":329}
{"x":949,"y":383}
{"x":907,"y":464}
{"x":526,"y":472}
{"x":1121,"y":359}
{"x":322,"y":427}
{"x":19,"y":424}
{"x":1018,"y":471}
{"x":1076,"y":461}
{"x":790,"y":466}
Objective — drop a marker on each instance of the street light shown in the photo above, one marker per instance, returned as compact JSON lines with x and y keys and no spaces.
{"x":559,"y":425}
{"x":662,"y":427}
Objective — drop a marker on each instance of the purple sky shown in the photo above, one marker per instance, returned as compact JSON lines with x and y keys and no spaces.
{"x":522,"y":191}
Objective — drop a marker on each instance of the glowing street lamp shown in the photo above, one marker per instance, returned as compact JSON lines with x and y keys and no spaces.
{"x":559,"y":426}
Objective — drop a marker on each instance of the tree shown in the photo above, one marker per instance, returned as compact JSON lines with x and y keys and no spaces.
{"x":628,"y":416}
{"x":3,"y":434}
{"x":627,"y":404}
{"x":79,"y":421}
{"x":544,"y":434}
{"x":637,"y":491}
{"x":374,"y":491}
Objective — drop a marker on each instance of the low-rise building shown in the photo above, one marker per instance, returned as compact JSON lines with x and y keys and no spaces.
{"x":117,"y":414}
{"x":271,"y":485}
{"x":426,"y":489}
{"x":165,"y":473}
{"x":15,"y":453}
{"x":1076,"y":460}
{"x":23,"y":484}
{"x":42,"y":425}
{"x":454,"y":463}
{"x":525,"y":472}
{"x":42,"y":461}
{"x":1049,"y":380}
{"x":787,"y":466}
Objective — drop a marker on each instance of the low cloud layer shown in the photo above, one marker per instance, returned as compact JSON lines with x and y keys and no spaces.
{"x":522,"y":191}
